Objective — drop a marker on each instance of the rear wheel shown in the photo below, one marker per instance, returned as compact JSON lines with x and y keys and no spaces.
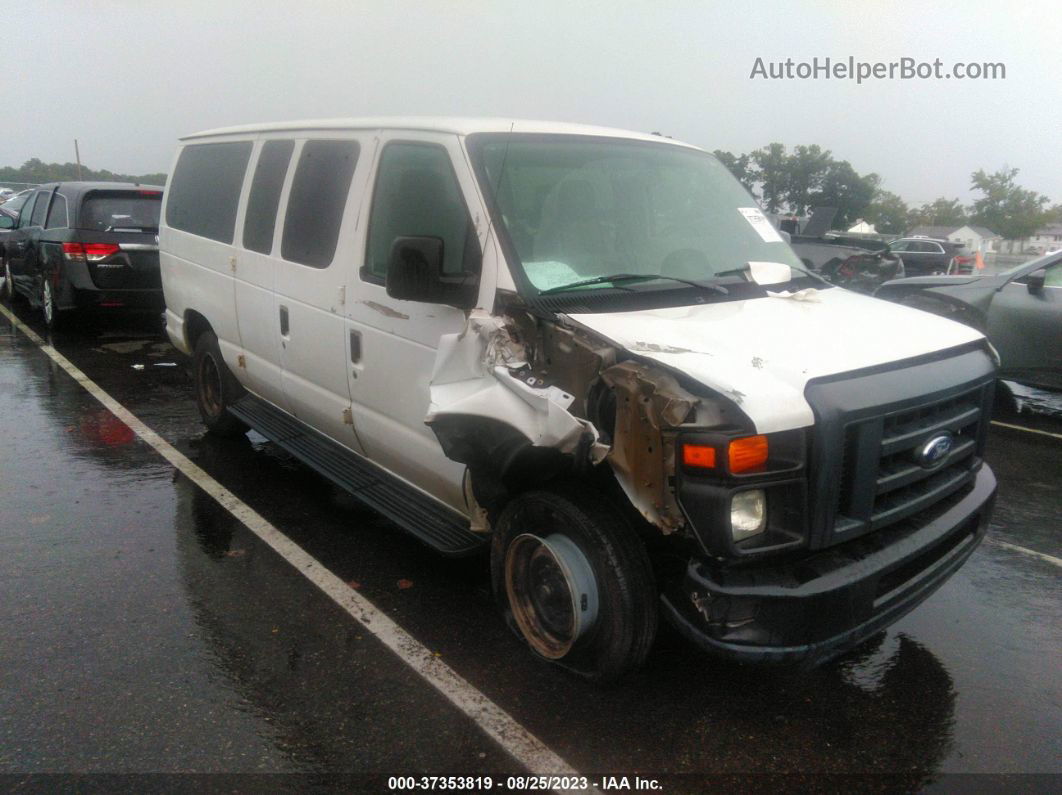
{"x":216,"y":389}
{"x":54,"y":318}
{"x":575,"y":582}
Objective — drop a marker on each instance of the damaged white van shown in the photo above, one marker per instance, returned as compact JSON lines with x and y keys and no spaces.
{"x":587,"y":350}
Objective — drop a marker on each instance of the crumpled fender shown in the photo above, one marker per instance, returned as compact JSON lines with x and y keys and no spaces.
{"x":473,"y":377}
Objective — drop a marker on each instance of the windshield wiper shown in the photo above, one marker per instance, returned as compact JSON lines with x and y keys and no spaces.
{"x":630,"y":277}
{"x":746,"y":270}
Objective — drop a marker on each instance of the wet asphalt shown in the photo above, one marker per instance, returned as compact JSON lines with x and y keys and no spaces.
{"x":144,"y":630}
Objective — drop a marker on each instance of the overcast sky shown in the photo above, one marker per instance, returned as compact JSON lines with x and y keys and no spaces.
{"x":127,"y":78}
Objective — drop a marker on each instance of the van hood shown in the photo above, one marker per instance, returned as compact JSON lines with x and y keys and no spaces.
{"x":762,"y":352}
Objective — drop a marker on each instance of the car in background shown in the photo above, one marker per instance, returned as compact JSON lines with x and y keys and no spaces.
{"x":859,"y":263}
{"x":77,"y":246}
{"x":1019,"y":310}
{"x":13,"y":204}
{"x":5,"y":194}
{"x":927,"y":256}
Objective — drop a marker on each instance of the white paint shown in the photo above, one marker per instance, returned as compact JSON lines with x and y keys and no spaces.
{"x":762,"y":353}
{"x":1027,"y":430}
{"x":516,"y":740}
{"x":1025,"y":551}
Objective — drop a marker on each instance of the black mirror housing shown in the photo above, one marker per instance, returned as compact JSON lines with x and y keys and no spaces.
{"x":414,"y":273}
{"x":1034,"y":282}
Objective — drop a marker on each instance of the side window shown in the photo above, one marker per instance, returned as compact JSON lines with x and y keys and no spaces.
{"x":205,"y":189}
{"x":40,"y":208}
{"x":1053,"y":277}
{"x":27,"y":209}
{"x":899,"y":245}
{"x":417,"y":194}
{"x":262,"y":203}
{"x":316,"y":202}
{"x":935,"y":248}
{"x":57,"y":215}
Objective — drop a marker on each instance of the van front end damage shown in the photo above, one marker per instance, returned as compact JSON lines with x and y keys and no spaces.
{"x":521,"y":399}
{"x":784,"y":558}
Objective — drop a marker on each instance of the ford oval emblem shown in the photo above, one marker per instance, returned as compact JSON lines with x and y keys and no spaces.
{"x":935,"y":450}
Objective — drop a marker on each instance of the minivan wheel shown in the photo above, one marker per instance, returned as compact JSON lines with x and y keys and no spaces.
{"x":215,"y":388}
{"x":54,"y":318}
{"x":574,"y":581}
{"x":9,"y":285}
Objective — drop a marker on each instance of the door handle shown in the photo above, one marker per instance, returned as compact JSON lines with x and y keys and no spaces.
{"x":355,"y":347}
{"x":285,"y":326}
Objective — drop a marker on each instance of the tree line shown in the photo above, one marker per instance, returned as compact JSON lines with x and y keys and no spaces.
{"x":36,"y":171}
{"x":809,"y":176}
{"x":783,"y":181}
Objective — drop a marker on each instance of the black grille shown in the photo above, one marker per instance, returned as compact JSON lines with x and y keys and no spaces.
{"x":865,"y":449}
{"x":881,"y":481}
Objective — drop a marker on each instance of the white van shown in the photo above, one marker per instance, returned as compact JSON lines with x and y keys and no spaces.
{"x":588,"y":350}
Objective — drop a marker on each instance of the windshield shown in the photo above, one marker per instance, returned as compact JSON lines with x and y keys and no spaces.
{"x":576,"y":208}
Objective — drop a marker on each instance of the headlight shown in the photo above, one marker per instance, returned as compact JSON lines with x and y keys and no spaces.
{"x":748,"y":514}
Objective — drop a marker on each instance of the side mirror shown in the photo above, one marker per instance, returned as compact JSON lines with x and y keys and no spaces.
{"x":414,"y":273}
{"x":1034,"y":281}
{"x":7,"y":222}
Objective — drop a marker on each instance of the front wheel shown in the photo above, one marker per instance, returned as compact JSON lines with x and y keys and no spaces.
{"x":215,"y":388}
{"x":574,"y":580}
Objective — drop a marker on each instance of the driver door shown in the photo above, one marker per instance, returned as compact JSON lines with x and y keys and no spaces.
{"x":420,"y":185}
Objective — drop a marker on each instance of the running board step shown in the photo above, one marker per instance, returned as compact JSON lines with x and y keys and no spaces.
{"x":436,"y":525}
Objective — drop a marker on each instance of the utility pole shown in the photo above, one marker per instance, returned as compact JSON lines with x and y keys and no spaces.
{"x":77,"y":154}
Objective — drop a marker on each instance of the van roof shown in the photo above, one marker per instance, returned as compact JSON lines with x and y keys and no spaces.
{"x":459,"y":126}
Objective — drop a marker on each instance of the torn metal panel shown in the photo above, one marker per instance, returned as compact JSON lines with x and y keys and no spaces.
{"x":482,"y":372}
{"x":649,"y":403}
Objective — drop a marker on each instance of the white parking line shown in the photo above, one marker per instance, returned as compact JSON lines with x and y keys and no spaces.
{"x":1027,"y":430}
{"x":1025,"y":551}
{"x":523,"y":746}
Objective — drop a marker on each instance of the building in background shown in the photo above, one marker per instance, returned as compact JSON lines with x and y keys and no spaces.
{"x":975,"y":238}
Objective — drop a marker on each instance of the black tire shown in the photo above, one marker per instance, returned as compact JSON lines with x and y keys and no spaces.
{"x":54,"y":318}
{"x":9,"y":286}
{"x":215,"y":388}
{"x":618,"y":640}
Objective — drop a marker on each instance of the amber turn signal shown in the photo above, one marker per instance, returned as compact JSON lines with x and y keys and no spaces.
{"x":748,"y":454}
{"x":701,"y":456}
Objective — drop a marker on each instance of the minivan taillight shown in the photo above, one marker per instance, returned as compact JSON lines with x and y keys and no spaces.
{"x":73,"y":252}
{"x":93,"y":252}
{"x":97,"y":251}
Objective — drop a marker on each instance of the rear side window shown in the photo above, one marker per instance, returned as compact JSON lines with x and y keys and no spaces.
{"x":262,"y":204}
{"x":57,"y":215}
{"x":205,"y":189}
{"x":39,"y":209}
{"x":120,"y":211}
{"x":317,"y":200}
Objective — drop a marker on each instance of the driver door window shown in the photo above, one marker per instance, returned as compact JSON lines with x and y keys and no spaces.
{"x":417,"y":194}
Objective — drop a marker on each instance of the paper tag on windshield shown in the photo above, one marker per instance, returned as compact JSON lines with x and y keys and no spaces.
{"x":770,"y":272}
{"x":758,"y":221}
